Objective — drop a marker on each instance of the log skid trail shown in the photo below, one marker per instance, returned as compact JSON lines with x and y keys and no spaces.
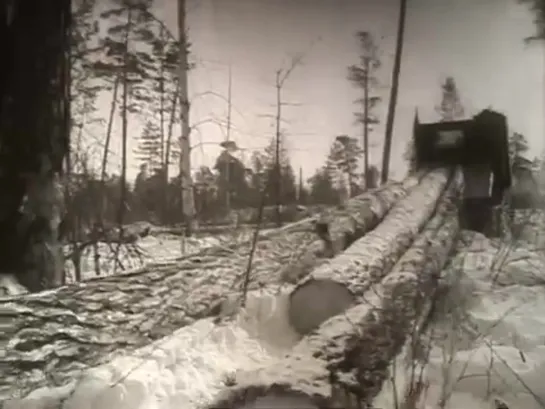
{"x":49,"y":338}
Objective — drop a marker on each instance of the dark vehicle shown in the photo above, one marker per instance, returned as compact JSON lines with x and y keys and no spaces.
{"x":480,"y":146}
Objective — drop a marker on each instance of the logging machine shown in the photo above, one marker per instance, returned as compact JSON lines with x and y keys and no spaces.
{"x":480,"y":146}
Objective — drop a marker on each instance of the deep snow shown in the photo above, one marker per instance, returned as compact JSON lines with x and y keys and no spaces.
{"x":488,"y":345}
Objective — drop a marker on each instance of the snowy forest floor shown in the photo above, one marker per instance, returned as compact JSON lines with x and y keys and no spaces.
{"x":484,"y":349}
{"x":162,"y":248}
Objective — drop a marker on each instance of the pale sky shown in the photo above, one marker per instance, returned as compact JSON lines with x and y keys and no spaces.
{"x":478,"y":42}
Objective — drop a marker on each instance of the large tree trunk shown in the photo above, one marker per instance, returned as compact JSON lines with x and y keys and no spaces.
{"x":86,"y":322}
{"x":34,"y":134}
{"x":335,"y":286}
{"x":344,"y":363}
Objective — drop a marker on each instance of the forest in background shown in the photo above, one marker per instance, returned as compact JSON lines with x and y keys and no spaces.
{"x":129,"y":46}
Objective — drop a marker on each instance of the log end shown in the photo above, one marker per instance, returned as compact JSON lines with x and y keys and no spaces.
{"x":315,"y":301}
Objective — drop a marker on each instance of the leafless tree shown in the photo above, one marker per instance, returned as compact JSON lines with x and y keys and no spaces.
{"x":393,"y":91}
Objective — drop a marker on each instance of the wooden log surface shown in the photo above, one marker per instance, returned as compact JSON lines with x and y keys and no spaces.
{"x":344,"y":363}
{"x":48,"y":338}
{"x":335,"y":286}
{"x":361,"y":215}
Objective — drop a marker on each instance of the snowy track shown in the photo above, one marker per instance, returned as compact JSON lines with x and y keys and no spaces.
{"x":190,"y":366}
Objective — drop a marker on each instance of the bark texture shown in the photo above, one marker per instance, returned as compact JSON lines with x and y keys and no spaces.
{"x":335,"y":286}
{"x":34,"y":133}
{"x":361,"y":215}
{"x":344,"y":363}
{"x":48,"y":338}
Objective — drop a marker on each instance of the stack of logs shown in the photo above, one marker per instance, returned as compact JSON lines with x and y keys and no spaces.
{"x":358,"y":311}
{"x":354,"y":311}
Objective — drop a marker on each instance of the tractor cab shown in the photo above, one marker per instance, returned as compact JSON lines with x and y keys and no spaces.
{"x":480,"y":146}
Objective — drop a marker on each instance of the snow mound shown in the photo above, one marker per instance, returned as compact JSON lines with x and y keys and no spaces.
{"x":184,"y":370}
{"x":490,"y":346}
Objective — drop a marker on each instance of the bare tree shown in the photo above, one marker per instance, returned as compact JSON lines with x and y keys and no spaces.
{"x":362,"y":76}
{"x":124,"y":132}
{"x":109,"y":129}
{"x":282,"y":76}
{"x":393,"y":91}
{"x":228,"y":137}
{"x":188,"y":201}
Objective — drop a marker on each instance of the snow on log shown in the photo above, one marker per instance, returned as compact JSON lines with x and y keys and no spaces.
{"x":344,"y":362}
{"x":338,"y":229}
{"x":48,"y":338}
{"x":335,"y":286}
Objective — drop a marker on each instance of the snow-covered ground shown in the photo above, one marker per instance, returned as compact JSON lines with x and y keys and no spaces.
{"x":182,"y":371}
{"x":149,"y":249}
{"x":489,"y":343}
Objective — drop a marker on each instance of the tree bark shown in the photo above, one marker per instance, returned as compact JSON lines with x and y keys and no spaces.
{"x":34,"y":138}
{"x":188,"y":201}
{"x":339,"y":230}
{"x":366,"y":122}
{"x":344,"y":363}
{"x":396,"y":70}
{"x":333,"y":287}
{"x":85,"y":323}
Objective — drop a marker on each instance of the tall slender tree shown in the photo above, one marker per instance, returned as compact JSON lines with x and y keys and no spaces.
{"x":396,"y":70}
{"x":188,"y":201}
{"x":363,"y":76}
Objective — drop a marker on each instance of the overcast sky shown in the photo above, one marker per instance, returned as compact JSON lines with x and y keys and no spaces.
{"x":478,"y":42}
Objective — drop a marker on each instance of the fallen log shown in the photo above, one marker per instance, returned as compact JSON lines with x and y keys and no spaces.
{"x":344,"y":363}
{"x":50,"y":337}
{"x":338,"y":229}
{"x":335,"y":286}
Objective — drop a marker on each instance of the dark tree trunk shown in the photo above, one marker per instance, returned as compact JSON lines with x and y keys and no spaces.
{"x":390,"y":118}
{"x":34,"y":137}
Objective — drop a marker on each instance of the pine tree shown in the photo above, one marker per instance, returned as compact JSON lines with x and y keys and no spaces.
{"x":342,"y":163}
{"x":518,"y":150}
{"x":149,"y":147}
{"x":322,"y":189}
{"x":288,"y":183}
{"x":538,"y":9}
{"x":363,"y":76}
{"x":124,"y":45}
{"x":84,"y":88}
{"x":450,"y":108}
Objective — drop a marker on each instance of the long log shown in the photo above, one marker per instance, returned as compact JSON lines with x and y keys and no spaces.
{"x":335,"y":286}
{"x":50,"y":337}
{"x":344,"y":363}
{"x":361,"y":215}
